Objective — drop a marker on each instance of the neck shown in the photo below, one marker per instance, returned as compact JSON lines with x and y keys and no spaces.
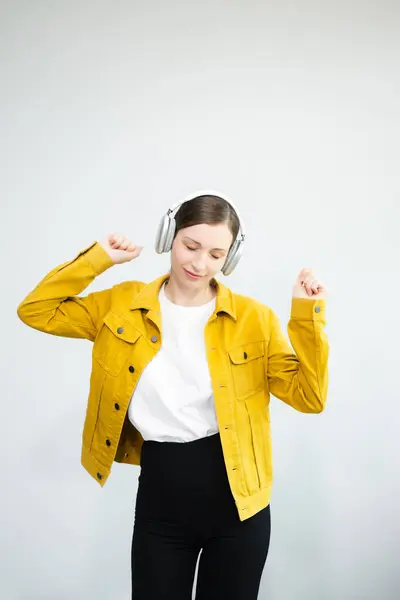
{"x":188,"y":295}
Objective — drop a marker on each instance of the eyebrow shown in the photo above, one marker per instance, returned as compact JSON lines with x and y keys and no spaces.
{"x":198,"y":243}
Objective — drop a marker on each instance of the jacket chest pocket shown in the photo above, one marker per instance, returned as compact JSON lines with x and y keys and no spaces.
{"x":114,"y":343}
{"x":247,"y":368}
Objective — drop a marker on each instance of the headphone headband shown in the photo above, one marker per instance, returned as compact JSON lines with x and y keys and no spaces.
{"x":174,"y":208}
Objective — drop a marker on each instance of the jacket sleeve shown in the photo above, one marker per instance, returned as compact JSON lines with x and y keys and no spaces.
{"x":300,"y":378}
{"x":53,"y":306}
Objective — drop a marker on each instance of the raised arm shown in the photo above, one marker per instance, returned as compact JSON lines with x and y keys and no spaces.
{"x":300,"y":377}
{"x":54,"y":307}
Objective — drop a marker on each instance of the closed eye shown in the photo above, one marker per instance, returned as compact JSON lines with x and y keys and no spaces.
{"x":194,"y":249}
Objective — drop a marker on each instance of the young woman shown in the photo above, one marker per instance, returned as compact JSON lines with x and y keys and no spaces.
{"x":182,"y":373}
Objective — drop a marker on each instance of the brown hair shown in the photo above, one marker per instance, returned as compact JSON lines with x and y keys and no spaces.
{"x":207,"y":209}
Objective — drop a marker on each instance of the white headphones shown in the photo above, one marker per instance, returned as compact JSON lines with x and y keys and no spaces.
{"x":166,"y":232}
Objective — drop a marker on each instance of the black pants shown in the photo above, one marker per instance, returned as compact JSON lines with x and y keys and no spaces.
{"x":184,"y":505}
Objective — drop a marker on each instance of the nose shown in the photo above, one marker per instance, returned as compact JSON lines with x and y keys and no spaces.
{"x":197,"y":270}
{"x":199,"y":266}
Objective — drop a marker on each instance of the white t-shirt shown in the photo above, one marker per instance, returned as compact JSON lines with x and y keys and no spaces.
{"x":173,"y":399}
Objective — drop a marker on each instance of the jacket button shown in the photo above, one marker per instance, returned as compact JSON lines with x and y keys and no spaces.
{"x":116,"y":406}
{"x":245,"y":354}
{"x":99,"y":476}
{"x":153,"y":338}
{"x":120,"y":330}
{"x":132,"y":369}
{"x":108,"y":442}
{"x":317,"y":309}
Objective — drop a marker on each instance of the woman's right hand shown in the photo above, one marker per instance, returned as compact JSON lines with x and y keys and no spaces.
{"x":120,"y":249}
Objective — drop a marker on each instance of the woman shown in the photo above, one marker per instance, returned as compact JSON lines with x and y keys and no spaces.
{"x":182,"y":373}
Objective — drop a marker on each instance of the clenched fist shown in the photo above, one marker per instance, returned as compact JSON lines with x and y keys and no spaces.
{"x":120,"y":249}
{"x":307,"y":285}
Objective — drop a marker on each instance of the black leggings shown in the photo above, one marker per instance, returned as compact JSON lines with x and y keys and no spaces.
{"x":184,"y":505}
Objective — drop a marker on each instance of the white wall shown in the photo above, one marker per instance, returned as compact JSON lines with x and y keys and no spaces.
{"x":110,"y":112}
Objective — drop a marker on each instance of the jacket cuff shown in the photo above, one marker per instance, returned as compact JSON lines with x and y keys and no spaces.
{"x":304,"y":309}
{"x":97,"y":257}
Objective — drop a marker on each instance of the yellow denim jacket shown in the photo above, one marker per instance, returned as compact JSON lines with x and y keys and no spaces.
{"x":248,"y":355}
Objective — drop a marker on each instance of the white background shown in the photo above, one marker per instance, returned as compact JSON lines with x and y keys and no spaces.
{"x":109,"y":113}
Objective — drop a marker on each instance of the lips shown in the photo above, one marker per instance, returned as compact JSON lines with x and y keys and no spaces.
{"x":193,"y":275}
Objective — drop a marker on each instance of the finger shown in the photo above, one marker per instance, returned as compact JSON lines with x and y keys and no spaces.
{"x":137,"y":251}
{"x":125,"y":244}
{"x":309,"y":279}
{"x":133,"y":248}
{"x":308,"y":287}
{"x":114,"y":240}
{"x":309,"y":290}
{"x":118,"y":242}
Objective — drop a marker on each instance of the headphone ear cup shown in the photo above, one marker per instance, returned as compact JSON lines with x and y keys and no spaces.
{"x":161,"y":235}
{"x":233,"y":257}
{"x":169,"y":237}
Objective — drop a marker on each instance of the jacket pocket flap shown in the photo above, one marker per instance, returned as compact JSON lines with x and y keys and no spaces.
{"x":121,"y":328}
{"x":247,"y":352}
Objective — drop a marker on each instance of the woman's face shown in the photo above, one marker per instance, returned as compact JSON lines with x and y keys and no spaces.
{"x":200,"y":250}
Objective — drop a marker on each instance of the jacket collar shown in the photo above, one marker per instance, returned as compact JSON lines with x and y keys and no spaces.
{"x":148,"y":297}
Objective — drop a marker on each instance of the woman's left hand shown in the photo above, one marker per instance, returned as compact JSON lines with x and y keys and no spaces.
{"x":308,"y":286}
